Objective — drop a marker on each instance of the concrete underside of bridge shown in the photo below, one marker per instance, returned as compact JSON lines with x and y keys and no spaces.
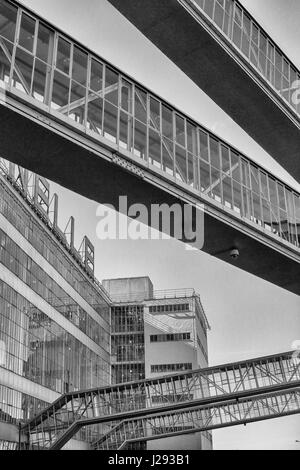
{"x":65,"y":158}
{"x":226,"y":79}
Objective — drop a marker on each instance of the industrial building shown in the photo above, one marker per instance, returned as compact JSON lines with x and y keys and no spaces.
{"x":155,"y":333}
{"x":54,"y":316}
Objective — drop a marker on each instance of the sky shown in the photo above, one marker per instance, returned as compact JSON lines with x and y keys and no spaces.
{"x":248,"y":317}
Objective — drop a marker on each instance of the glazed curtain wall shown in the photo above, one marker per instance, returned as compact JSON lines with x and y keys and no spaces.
{"x":35,"y":347}
{"x":19,"y":263}
{"x":36,"y":234}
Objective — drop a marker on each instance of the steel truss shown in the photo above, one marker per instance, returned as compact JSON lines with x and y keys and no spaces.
{"x":200,"y":419}
{"x":176,"y":393}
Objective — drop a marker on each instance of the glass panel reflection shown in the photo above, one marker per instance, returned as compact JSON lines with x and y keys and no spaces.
{"x":8,"y":19}
{"x":27,"y":31}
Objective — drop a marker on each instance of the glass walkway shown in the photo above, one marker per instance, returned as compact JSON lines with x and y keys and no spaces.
{"x":255,"y":45}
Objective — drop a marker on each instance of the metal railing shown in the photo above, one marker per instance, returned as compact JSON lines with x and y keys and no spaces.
{"x":199,"y":419}
{"x":58,"y":423}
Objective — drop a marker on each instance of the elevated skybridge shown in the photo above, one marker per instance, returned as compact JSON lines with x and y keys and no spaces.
{"x":189,"y":401}
{"x":73,"y":118}
{"x":223,"y":49}
{"x":199,"y":419}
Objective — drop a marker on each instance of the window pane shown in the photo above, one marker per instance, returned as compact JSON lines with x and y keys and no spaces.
{"x":227,"y":191}
{"x":80,"y":66}
{"x":262,"y":53}
{"x":203,"y":145}
{"x":270,"y":62}
{"x":45,"y":44}
{"x":214,"y":153}
{"x":215,"y":190}
{"x":200,"y":3}
{"x":4,"y":65}
{"x":40,"y":79}
{"x":254,"y":179}
{"x":264,"y":185}
{"x":167,"y":157}
{"x":111,"y":86}
{"x":204,"y":176}
{"x":180,"y":131}
{"x":77,"y":103}
{"x":63,"y":55}
{"x":247,"y":203}
{"x":266,"y":214}
{"x":273,"y":192}
{"x":237,"y":26}
{"x":281,"y":196}
{"x":254,"y":49}
{"x":208,"y":7}
{"x":246,"y":35}
{"x":140,"y":140}
{"x":8,"y":18}
{"x":192,"y":170}
{"x":154,"y":113}
{"x":191,"y":138}
{"x":297,"y":207}
{"x":245,"y":173}
{"x":94,"y":117}
{"x":181,"y":164}
{"x":256,"y":208}
{"x":154,"y":148}
{"x":23,"y":71}
{"x":225,"y":161}
{"x":110,"y":121}
{"x":237,"y":197}
{"x":167,"y":122}
{"x":60,"y":95}
{"x":126,"y":96}
{"x":140,"y":105}
{"x":125,"y":137}
{"x":218,"y":15}
{"x":96,"y":79}
{"x":293,"y":78}
{"x":235,"y":166}
{"x":27,"y":28}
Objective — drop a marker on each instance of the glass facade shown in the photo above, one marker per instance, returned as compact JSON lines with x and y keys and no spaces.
{"x":72,"y":82}
{"x":36,"y":350}
{"x":128,"y":344}
{"x":33,"y":346}
{"x":19,"y":216}
{"x":16,"y":406}
{"x":256,"y":46}
{"x":20,"y":264}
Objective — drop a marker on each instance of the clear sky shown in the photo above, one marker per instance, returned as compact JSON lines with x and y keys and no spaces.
{"x":249,"y":317}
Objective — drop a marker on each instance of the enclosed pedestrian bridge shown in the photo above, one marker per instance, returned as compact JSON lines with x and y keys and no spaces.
{"x":224,"y":50}
{"x":73,"y":118}
{"x":187,"y":402}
